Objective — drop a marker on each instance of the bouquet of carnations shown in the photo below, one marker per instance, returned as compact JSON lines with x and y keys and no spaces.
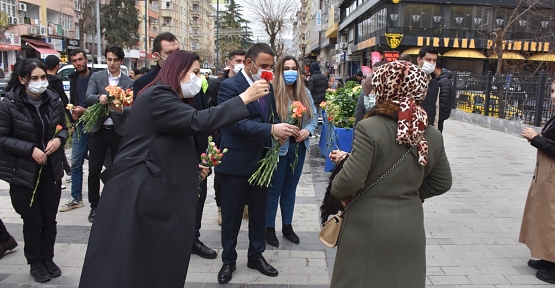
{"x":116,"y":96}
{"x":212,"y":157}
{"x":263,"y":175}
{"x":58,"y":129}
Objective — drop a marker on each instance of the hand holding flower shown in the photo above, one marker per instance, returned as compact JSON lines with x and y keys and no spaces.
{"x":39,"y":156}
{"x":52,"y":146}
{"x":116,"y":108}
{"x":301,"y":135}
{"x":203,"y":171}
{"x":103,"y":99}
{"x":77,"y":112}
{"x":256,"y":91}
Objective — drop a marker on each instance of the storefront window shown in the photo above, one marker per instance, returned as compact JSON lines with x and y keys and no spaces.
{"x":422,"y":16}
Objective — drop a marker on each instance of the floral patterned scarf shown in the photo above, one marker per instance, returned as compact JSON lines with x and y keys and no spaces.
{"x":406,"y":84}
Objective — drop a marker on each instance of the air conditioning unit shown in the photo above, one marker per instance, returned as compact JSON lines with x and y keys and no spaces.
{"x":42,"y":30}
{"x":13,"y":20}
{"x":32,"y":30}
{"x":22,"y":7}
{"x":343,"y":45}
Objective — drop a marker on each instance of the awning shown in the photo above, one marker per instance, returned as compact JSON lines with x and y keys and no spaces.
{"x":546,"y":57}
{"x":464,"y":53}
{"x":412,"y":51}
{"x":43,"y":48}
{"x":508,"y":55}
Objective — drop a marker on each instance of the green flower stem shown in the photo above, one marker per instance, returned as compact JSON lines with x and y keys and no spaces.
{"x":36,"y":186}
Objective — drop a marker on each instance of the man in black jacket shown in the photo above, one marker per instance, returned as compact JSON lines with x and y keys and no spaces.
{"x":317,"y":85}
{"x":164,"y":44}
{"x":446,"y":94}
{"x":78,"y":82}
{"x":235,"y":61}
{"x":427,"y":60}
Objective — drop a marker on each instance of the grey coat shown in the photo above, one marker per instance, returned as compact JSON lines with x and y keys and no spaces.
{"x":383,"y":242}
{"x":98,"y":82}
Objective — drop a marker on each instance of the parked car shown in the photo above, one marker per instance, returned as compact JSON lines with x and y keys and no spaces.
{"x":3,"y":84}
{"x":474,"y":102}
{"x":67,"y":70}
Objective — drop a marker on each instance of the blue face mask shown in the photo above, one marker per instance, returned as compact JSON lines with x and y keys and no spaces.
{"x":290,"y":76}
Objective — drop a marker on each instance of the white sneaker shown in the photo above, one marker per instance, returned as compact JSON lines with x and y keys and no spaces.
{"x":63,"y":187}
{"x":68,"y":179}
{"x":72,"y":204}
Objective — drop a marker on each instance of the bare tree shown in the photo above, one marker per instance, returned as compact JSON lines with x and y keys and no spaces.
{"x":85,"y":13}
{"x":276,"y":16}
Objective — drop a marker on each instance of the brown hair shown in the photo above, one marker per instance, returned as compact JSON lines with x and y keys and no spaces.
{"x":282,"y":96}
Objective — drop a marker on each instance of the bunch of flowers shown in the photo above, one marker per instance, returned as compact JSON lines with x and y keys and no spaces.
{"x":263,"y":175}
{"x":58,"y":129}
{"x":116,"y":96}
{"x":211,"y":158}
{"x":341,"y":105}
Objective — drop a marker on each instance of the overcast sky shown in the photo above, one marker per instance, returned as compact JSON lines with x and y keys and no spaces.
{"x":255,"y":26}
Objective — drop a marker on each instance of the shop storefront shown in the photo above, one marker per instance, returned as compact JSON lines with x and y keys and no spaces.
{"x":34,"y":48}
{"x":60,"y":46}
{"x":10,"y":44}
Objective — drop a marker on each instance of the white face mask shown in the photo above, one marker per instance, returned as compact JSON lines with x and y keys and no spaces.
{"x":38,"y":87}
{"x":369,"y":101}
{"x":428,"y":68}
{"x":237,"y":67}
{"x":191,"y":88}
{"x":258,"y":76}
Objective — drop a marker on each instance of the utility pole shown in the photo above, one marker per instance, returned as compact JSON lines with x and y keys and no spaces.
{"x":217,"y":36}
{"x":98,"y":36}
{"x":146,"y":33}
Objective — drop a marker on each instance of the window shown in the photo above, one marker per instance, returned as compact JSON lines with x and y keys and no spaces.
{"x":76,"y":5}
{"x":8,"y":6}
{"x":67,"y":22}
{"x":461,"y":17}
{"x":423,"y":16}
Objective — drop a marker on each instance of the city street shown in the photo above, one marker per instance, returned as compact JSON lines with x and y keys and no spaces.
{"x":472,"y":230}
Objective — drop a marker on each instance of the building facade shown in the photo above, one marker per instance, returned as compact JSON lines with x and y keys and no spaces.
{"x":464,"y":31}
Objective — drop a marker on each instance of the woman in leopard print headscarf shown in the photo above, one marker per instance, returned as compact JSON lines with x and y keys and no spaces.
{"x":405,"y":84}
{"x":382,"y":242}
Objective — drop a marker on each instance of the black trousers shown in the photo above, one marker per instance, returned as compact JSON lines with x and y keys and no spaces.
{"x":67,"y":167}
{"x":39,"y":220}
{"x":235,"y":190}
{"x":4,"y":234}
{"x":99,"y":143}
{"x":200,"y":207}
{"x":440,"y":126}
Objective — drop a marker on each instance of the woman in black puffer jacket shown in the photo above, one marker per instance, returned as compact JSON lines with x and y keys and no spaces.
{"x":30,"y":157}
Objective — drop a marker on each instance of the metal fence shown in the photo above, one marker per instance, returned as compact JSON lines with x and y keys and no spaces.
{"x":508,"y":97}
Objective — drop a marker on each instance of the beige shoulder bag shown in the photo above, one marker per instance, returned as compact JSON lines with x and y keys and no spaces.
{"x":329,"y":235}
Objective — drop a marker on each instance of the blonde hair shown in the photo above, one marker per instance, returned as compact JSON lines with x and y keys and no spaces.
{"x":282,"y":96}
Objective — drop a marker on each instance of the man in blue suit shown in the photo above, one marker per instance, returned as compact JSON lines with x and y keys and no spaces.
{"x":247,"y":142}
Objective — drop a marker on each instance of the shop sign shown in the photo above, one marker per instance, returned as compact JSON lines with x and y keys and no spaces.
{"x":393,"y":39}
{"x":391,"y":56}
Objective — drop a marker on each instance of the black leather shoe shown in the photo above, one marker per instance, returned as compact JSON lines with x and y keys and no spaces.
{"x":546,"y":276}
{"x":263,"y":267}
{"x":541,"y":264}
{"x":288,"y":232}
{"x":51,"y":267}
{"x":203,"y":251}
{"x":92,"y":214}
{"x":225,"y":273}
{"x":271,"y":237}
{"x":7,"y":246}
{"x":39,"y":273}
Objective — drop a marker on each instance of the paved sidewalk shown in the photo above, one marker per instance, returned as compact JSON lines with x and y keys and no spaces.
{"x":472,"y":230}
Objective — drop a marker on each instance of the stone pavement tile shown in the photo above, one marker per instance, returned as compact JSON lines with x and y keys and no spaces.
{"x":525,"y":270}
{"x":488,"y":279}
{"x":524,"y":279}
{"x":7,"y":285}
{"x":442,"y":280}
{"x":3,"y":276}
{"x":460,"y":271}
